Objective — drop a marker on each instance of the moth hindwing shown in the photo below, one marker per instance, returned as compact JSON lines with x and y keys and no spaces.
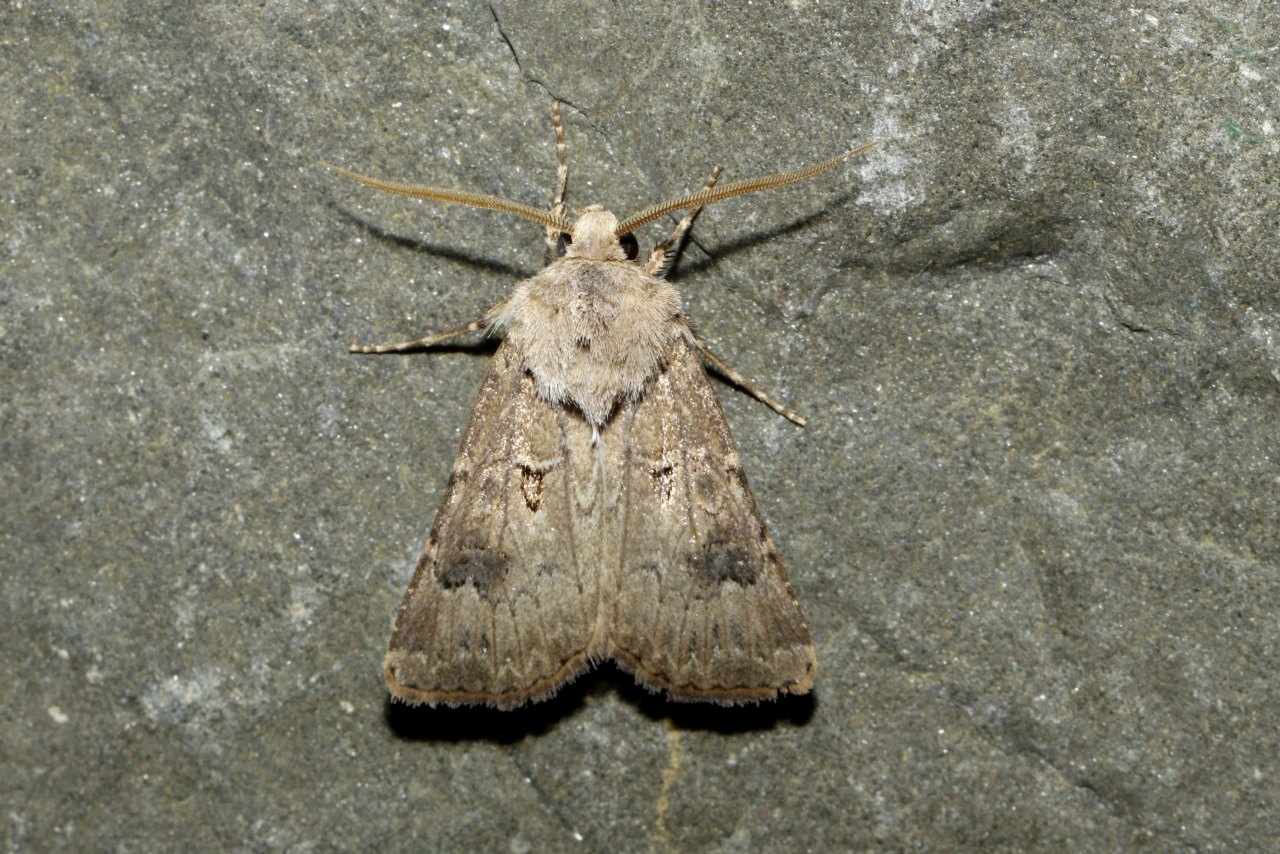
{"x":598,"y":508}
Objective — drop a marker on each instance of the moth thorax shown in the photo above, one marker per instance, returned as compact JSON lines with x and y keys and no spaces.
{"x":594,"y":238}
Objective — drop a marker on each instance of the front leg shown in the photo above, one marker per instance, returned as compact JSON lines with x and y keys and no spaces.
{"x":665,"y":252}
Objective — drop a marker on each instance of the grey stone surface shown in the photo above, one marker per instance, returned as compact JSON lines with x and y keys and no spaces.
{"x":1033,"y":520}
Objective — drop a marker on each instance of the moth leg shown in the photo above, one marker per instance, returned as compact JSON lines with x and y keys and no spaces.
{"x":665,"y":252}
{"x":558,"y":207}
{"x":722,"y":367}
{"x":480,"y":324}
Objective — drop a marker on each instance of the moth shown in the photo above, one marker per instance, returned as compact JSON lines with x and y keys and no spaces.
{"x":597,"y":509}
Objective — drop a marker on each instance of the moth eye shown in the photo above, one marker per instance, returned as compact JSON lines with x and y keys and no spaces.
{"x":562,"y":243}
{"x":629,"y":246}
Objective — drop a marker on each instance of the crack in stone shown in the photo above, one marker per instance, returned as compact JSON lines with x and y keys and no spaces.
{"x":515,"y":56}
{"x":510,"y":46}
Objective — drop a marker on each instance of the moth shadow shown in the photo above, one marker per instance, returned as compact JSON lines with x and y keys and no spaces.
{"x":725,"y":720}
{"x":482,"y":723}
{"x":713,"y":255}
{"x":486,"y":346}
{"x":439,"y":250}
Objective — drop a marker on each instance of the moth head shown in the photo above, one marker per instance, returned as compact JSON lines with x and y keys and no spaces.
{"x":594,"y":238}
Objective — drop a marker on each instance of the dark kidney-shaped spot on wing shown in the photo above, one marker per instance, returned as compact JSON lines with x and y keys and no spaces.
{"x":482,"y":567}
{"x":719,"y":561}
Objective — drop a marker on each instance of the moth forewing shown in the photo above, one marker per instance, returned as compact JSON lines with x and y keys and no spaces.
{"x":597,"y":508}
